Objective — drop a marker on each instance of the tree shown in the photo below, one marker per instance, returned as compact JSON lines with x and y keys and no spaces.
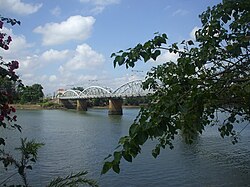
{"x":32,"y":93}
{"x":210,"y":76}
{"x":8,"y":86}
{"x":8,"y":78}
{"x":7,"y":75}
{"x":78,"y":88}
{"x":28,"y":149}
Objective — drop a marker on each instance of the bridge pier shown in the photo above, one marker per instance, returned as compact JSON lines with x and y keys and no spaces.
{"x":115,"y":106}
{"x":67,"y":103}
{"x":81,"y":105}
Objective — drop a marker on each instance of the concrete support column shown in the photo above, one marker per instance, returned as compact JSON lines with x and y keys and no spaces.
{"x":115,"y":106}
{"x":81,"y":105}
{"x":67,"y":103}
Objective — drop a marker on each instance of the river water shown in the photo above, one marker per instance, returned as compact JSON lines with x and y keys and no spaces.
{"x":76,"y":141}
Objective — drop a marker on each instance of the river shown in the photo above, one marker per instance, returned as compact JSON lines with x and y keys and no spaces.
{"x":76,"y":141}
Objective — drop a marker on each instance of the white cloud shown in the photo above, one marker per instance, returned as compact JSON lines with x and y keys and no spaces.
{"x":101,"y":2}
{"x":85,"y":57}
{"x":192,"y":33}
{"x":18,"y":7}
{"x":52,"y":78}
{"x":17,"y":47}
{"x":56,"y":11}
{"x":86,"y":78}
{"x":28,"y":76}
{"x":97,"y":10}
{"x":28,"y":64}
{"x":166,"y":56}
{"x":74,"y":28}
{"x":53,"y":55}
{"x":99,"y":5}
{"x":180,"y":12}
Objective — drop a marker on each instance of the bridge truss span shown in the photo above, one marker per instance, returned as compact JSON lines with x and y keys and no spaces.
{"x":129,"y":89}
{"x":70,"y":94}
{"x":95,"y":92}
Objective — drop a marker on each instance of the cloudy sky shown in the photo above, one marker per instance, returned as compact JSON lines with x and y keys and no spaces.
{"x":64,"y":44}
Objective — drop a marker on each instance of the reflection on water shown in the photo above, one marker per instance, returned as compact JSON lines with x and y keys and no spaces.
{"x":78,"y":141}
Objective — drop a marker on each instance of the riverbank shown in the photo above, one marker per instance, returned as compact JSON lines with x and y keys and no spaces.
{"x":39,"y":107}
{"x":27,"y":106}
{"x":35,"y":107}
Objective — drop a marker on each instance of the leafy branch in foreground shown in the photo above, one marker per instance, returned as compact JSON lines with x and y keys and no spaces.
{"x":73,"y":180}
{"x":209,"y":77}
{"x":9,"y":82}
{"x":28,"y":150}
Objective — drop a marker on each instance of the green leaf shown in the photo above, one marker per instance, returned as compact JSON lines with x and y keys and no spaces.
{"x":106,"y":167}
{"x":127,"y":156}
{"x":112,"y":55}
{"x":142,"y":137}
{"x":164,"y":36}
{"x":225,"y":18}
{"x":145,"y":56}
{"x":3,"y":124}
{"x":156,"y":151}
{"x":33,"y":160}
{"x":190,"y":42}
{"x":232,"y":119}
{"x":19,"y":128}
{"x":116,"y":168}
{"x":156,"y":54}
{"x":2,"y":141}
{"x":117,"y":156}
{"x":29,"y":167}
{"x":133,"y":129}
{"x":21,"y":170}
{"x":247,"y":88}
{"x":120,"y":60}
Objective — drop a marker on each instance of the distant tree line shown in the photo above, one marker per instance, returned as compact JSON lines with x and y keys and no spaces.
{"x":22,"y":94}
{"x":135,"y":101}
{"x":31,"y":94}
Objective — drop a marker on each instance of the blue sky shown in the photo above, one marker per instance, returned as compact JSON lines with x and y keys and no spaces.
{"x":61,"y":44}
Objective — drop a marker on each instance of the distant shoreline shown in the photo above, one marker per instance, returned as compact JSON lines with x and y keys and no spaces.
{"x":39,"y":107}
{"x":27,"y":106}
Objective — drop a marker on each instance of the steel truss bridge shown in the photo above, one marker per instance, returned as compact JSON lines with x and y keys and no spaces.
{"x":129,"y":89}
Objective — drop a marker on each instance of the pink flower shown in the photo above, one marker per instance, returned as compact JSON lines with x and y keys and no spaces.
{"x":1,"y":35}
{"x":13,"y":109}
{"x":14,"y":118}
{"x":5,"y":47}
{"x":13,"y":65}
{"x":9,"y":40}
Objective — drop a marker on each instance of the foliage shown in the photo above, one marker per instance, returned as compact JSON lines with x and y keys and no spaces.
{"x":210,"y":76}
{"x":78,"y":88}
{"x":73,"y":180}
{"x":98,"y":102}
{"x":7,"y":74}
{"x":135,"y":101}
{"x":50,"y":104}
{"x":8,"y":79}
{"x":10,"y":87}
{"x":31,"y":94}
{"x":28,"y":149}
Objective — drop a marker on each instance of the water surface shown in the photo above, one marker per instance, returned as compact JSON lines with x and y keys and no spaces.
{"x":76,"y":141}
